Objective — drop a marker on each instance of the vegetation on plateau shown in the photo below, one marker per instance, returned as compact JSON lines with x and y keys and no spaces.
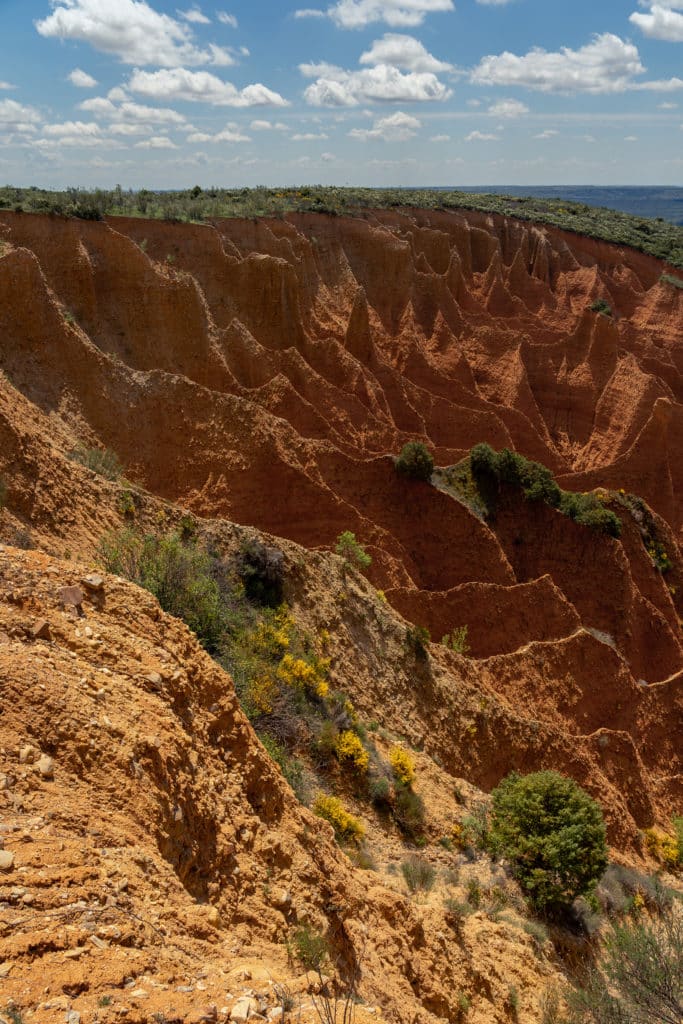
{"x":656,"y":237}
{"x":415,"y":461}
{"x":479,"y":478}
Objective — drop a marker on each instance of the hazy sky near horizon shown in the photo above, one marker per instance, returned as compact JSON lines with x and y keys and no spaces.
{"x":148,"y":93}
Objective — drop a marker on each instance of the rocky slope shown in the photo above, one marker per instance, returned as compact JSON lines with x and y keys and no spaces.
{"x":264,"y":372}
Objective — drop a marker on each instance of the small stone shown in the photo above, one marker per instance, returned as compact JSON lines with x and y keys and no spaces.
{"x":71,"y":597}
{"x":154,"y":679}
{"x":41,"y":630}
{"x":93,"y":582}
{"x":244,"y":1009}
{"x":28,"y":754}
{"x":5,"y":969}
{"x":73,"y":1017}
{"x":6,"y":860}
{"x":213,"y":917}
{"x":46,"y":766}
{"x":139,"y":993}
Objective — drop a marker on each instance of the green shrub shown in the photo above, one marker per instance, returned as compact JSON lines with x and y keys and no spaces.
{"x":553,"y":834}
{"x":675,"y":282}
{"x":309,"y":947}
{"x":380,"y":792}
{"x":417,"y":640}
{"x":182,"y":577}
{"x":640,"y":977}
{"x":104,"y":462}
{"x":457,"y":640}
{"x":353,"y":553}
{"x":261,"y":569}
{"x":409,"y":812}
{"x":418,"y":873}
{"x":483,"y":461}
{"x":601,"y":306}
{"x":415,"y":461}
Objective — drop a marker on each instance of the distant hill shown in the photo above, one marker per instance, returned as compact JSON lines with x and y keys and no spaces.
{"x":649,"y":201}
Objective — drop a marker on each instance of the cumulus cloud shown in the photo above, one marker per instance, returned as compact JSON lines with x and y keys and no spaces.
{"x":309,"y":136}
{"x":17,"y":117}
{"x":227,"y":19}
{"x":156,"y":142}
{"x":81,"y":79}
{"x":439,"y":138}
{"x":336,"y":87}
{"x":549,"y":133}
{"x":7,"y":85}
{"x":605,"y":65}
{"x":73,"y":128}
{"x":477,"y":136}
{"x":661,"y":22}
{"x":201,"y":87}
{"x":267,"y":126}
{"x":508,"y":108}
{"x":398,"y":127}
{"x":130,"y":30}
{"x":130,"y":112}
{"x":230,"y":133}
{"x":397,"y":13}
{"x":361,"y":13}
{"x":404,"y":52}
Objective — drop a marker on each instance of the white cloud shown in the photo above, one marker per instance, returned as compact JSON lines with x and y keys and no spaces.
{"x":549,"y":133}
{"x":17,"y":118}
{"x":481,"y":137}
{"x":667,"y":106}
{"x":397,"y":13}
{"x":229,"y":134}
{"x":660,"y":23}
{"x":156,"y":142}
{"x":404,"y":52}
{"x":130,"y":30}
{"x":308,"y":136}
{"x":88,"y":128}
{"x":605,"y":65}
{"x":201,"y":87}
{"x":267,"y":126}
{"x":508,"y":108}
{"x":335,"y":87}
{"x":308,"y":12}
{"x":117,"y":94}
{"x":227,"y":19}
{"x":81,"y":79}
{"x":98,"y":105}
{"x":328,"y":158}
{"x":7,"y":85}
{"x":398,"y":127}
{"x":630,"y":138}
{"x":440,"y":138}
{"x":195,"y":16}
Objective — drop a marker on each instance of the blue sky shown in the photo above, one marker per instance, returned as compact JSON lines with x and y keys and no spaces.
{"x":148,"y":93}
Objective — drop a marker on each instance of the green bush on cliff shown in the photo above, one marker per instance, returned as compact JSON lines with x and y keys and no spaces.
{"x":553,"y":834}
{"x":415,"y":461}
{"x":490,"y":469}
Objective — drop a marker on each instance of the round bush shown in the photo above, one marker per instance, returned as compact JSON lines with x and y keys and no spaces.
{"x":415,"y":461}
{"x":553,"y":834}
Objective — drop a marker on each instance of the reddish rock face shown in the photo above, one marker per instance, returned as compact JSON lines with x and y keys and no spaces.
{"x":266,"y":371}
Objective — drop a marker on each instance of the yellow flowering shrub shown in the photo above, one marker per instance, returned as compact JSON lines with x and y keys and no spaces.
{"x":302,"y":675}
{"x":344,"y":824}
{"x":663,"y":847}
{"x":262,"y":692}
{"x":351,"y":751}
{"x":402,"y":765}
